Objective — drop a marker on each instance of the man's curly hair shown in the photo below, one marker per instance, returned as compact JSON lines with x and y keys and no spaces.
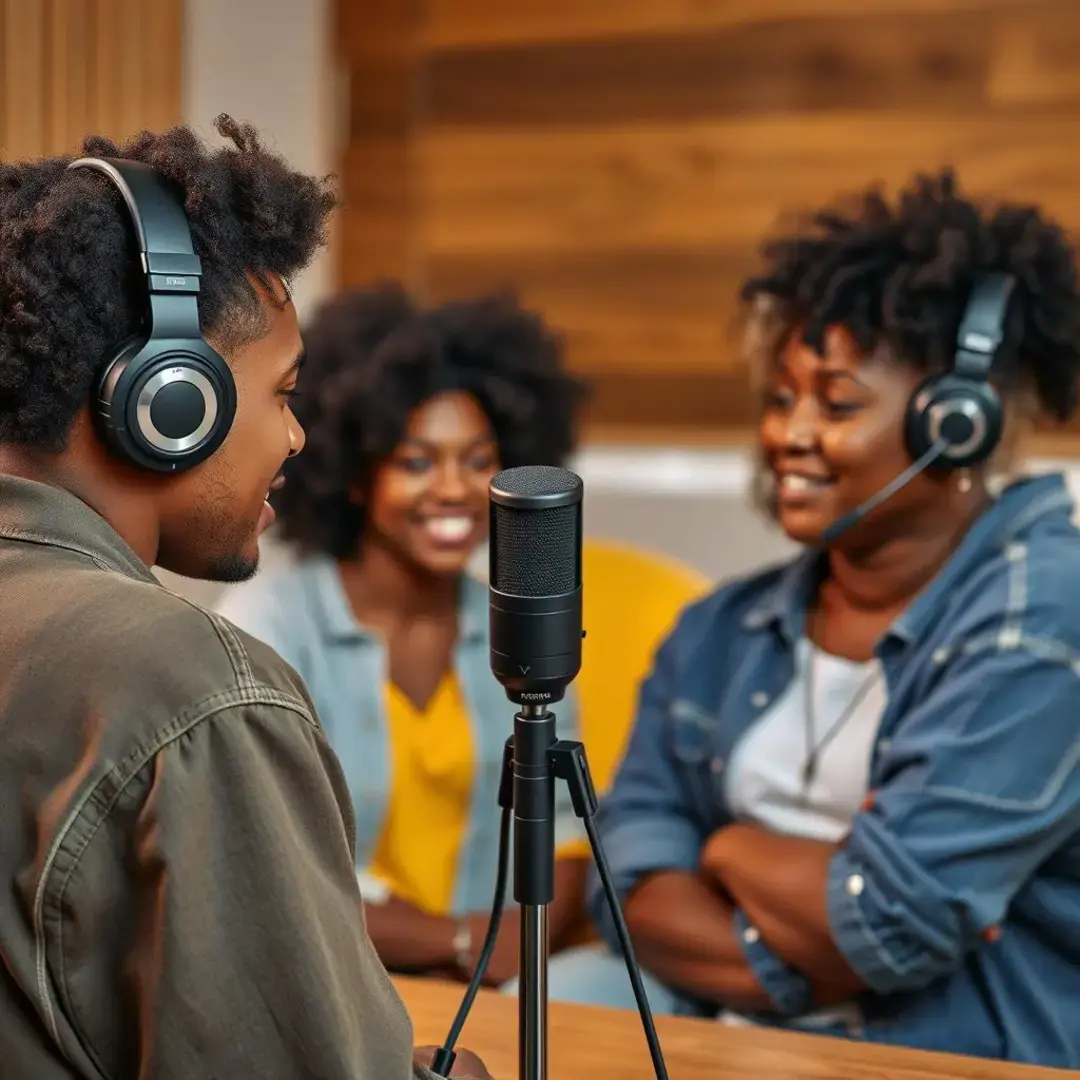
{"x":373,"y":356}
{"x":69,"y":277}
{"x":901,"y":274}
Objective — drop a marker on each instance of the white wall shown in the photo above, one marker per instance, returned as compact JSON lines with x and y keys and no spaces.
{"x":269,"y":62}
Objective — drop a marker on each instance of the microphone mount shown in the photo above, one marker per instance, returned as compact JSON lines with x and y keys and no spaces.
{"x":566,"y":761}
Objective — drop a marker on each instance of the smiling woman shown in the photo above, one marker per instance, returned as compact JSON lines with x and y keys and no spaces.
{"x":409,"y":414}
{"x":850,"y":799}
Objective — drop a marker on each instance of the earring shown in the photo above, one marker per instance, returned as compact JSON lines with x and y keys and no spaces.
{"x":963,"y":485}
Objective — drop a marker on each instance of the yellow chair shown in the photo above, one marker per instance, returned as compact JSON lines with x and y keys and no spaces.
{"x":632,"y":599}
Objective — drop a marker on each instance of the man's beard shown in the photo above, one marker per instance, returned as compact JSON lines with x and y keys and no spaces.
{"x":232,"y":569}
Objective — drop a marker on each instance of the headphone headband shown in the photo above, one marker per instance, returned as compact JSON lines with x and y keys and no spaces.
{"x":956,"y":416}
{"x":983,"y":326}
{"x":165,"y":248}
{"x":165,"y":399}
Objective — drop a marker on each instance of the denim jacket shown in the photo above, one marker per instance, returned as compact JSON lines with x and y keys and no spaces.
{"x":956,"y":895}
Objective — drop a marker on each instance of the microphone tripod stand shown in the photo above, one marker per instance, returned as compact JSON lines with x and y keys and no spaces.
{"x":533,"y":759}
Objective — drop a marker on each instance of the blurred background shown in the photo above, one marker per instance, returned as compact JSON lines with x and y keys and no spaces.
{"x":614,"y":160}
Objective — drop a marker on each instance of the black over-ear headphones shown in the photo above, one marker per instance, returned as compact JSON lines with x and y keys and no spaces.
{"x":959,"y":411}
{"x":164,"y":400}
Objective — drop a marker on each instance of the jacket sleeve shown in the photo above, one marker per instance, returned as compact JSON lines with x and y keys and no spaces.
{"x":647,"y":823}
{"x":982,"y":787}
{"x":249,"y":956}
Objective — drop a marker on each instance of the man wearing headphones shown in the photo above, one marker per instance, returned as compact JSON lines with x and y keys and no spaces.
{"x":178,"y":892}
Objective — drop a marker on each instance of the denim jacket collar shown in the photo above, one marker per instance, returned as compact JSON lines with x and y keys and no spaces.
{"x":1019,"y":505}
{"x":338,"y":623}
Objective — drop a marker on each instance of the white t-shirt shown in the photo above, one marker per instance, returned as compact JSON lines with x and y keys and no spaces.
{"x":765,"y":776}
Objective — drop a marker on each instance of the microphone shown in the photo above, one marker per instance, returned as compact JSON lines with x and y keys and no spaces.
{"x":535,"y":582}
{"x":848,"y":521}
{"x":535,"y":610}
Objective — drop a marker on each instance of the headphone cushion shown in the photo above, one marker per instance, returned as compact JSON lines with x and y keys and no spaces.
{"x":153,"y":435}
{"x":966,"y":413}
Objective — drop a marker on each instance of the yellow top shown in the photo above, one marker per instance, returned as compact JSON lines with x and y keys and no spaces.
{"x":432,"y":755}
{"x":631,"y":601}
{"x":431,"y":752}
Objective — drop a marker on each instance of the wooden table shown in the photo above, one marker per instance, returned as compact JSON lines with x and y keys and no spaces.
{"x":588,"y":1043}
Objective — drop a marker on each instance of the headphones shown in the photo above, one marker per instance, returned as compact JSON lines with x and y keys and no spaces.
{"x":959,"y":412}
{"x":164,"y":399}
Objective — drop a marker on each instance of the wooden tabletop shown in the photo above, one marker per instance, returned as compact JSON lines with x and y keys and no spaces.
{"x":585,"y":1043}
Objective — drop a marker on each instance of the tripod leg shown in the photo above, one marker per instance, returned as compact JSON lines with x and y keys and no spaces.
{"x":569,"y":764}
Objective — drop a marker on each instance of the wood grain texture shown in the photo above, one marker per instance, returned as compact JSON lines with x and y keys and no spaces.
{"x":587,"y":1042}
{"x":620,"y":161}
{"x":455,"y":24}
{"x":380,"y":234}
{"x":72,"y":68}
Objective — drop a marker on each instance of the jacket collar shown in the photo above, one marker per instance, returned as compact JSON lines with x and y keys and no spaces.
{"x":337,"y":622}
{"x":784,"y":603}
{"x":36,"y":513}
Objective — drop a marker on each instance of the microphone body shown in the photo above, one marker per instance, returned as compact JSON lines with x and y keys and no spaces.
{"x":535,"y":582}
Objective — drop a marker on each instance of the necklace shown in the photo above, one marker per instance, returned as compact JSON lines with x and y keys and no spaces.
{"x":814,"y":750}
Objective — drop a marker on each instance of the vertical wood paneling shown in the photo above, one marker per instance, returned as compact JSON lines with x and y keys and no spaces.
{"x":108,"y":56}
{"x":24,"y":80}
{"x":163,"y":36}
{"x":76,"y":67}
{"x":70,"y":106}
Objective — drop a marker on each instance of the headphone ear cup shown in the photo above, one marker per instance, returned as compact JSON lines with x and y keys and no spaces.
{"x":916,"y":436}
{"x":964,"y":413}
{"x":166,"y":411}
{"x":109,"y":408}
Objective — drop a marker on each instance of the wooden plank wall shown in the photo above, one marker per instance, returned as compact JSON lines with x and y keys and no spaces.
{"x":618,"y":160}
{"x":69,"y":68}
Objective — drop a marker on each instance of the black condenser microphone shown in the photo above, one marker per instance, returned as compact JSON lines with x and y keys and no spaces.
{"x":535,"y":605}
{"x":535,"y":581}
{"x":848,"y":521}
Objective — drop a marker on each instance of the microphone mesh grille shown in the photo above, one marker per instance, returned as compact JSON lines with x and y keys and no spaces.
{"x":535,"y":550}
{"x":537,"y":480}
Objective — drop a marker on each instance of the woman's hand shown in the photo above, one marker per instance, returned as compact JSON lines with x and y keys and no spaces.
{"x":718,"y":849}
{"x":682,"y":930}
{"x":503,"y":965}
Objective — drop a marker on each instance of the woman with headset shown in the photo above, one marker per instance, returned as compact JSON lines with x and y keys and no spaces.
{"x":410,"y":412}
{"x":851,"y":800}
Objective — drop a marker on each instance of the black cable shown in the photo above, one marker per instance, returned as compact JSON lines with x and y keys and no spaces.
{"x":623,"y":933}
{"x":572,"y":767}
{"x":443,"y":1060}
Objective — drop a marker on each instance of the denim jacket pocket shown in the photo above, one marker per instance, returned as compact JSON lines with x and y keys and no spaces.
{"x":691,"y":733}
